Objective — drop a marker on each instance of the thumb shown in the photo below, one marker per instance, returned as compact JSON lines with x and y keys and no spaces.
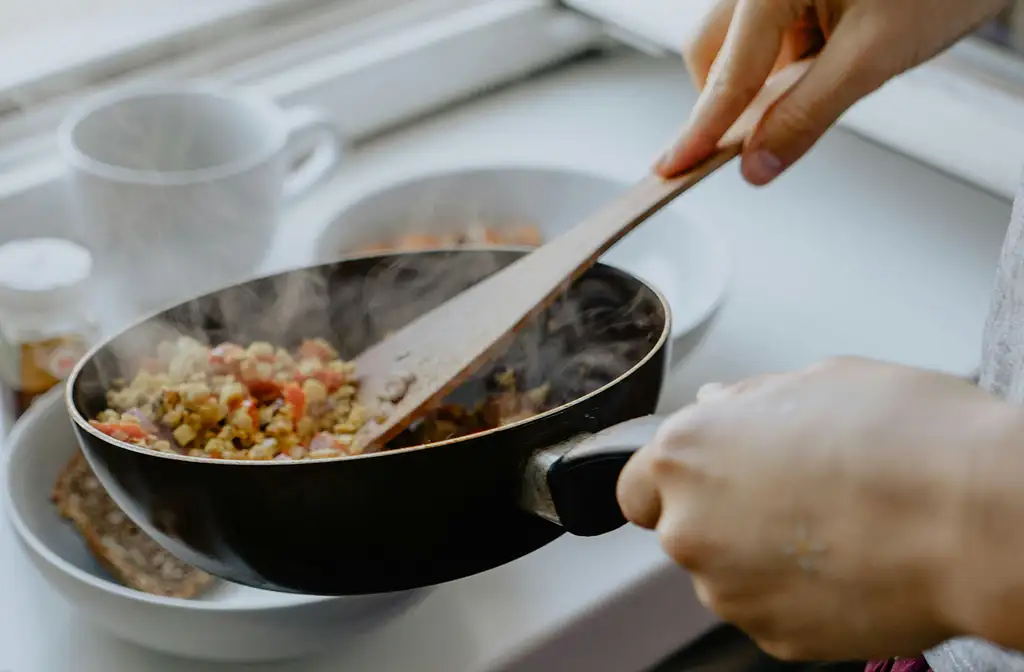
{"x":853,"y":63}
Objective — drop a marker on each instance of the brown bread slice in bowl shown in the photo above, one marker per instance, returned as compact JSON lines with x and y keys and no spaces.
{"x":128,"y":553}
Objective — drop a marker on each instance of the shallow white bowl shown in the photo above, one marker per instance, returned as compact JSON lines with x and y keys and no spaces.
{"x":231,"y":623}
{"x":687,"y":260}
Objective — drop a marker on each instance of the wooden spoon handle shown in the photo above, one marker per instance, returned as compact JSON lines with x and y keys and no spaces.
{"x":586,"y":242}
{"x":579,"y":248}
{"x":549,"y":270}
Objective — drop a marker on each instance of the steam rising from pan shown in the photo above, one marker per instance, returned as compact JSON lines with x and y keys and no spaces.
{"x":587,"y":339}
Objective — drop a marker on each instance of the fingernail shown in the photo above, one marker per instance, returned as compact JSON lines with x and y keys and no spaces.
{"x":681,"y":155}
{"x":667,"y":157}
{"x":762,"y":167}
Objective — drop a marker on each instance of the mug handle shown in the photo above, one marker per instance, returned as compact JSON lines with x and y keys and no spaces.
{"x":311,"y":130}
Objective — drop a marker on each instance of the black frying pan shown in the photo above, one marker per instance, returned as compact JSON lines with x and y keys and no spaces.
{"x":408,"y":517}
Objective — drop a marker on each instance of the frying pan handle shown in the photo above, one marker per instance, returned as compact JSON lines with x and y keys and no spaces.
{"x":573,"y":484}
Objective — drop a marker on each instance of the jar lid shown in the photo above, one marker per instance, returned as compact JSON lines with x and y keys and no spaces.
{"x":43,"y":273}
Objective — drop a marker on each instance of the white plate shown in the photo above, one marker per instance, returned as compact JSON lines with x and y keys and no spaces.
{"x":687,"y":260}
{"x":231,"y":623}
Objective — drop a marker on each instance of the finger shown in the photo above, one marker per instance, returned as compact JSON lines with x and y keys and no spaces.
{"x":700,"y":51}
{"x":683,"y":531}
{"x":847,"y":69}
{"x":749,"y":53}
{"x":639,"y":486}
{"x":786,"y":631}
{"x":637,"y":491}
{"x":746,"y":610}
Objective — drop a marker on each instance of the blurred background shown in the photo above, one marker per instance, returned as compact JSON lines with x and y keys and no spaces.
{"x":19,"y":17}
{"x":437,"y":115}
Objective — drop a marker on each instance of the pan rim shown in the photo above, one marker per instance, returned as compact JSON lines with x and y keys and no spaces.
{"x":83,"y":424}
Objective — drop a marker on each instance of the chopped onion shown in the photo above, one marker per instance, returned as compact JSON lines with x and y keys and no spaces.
{"x":144,"y":422}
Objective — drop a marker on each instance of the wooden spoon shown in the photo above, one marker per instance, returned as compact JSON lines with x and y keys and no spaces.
{"x":416,"y":367}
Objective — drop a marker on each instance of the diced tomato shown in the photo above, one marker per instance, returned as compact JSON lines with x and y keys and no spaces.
{"x":260,"y":383}
{"x":332,"y":380}
{"x":294,"y":396}
{"x":128,"y":430}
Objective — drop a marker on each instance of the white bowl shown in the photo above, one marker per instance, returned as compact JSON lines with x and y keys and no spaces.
{"x":231,"y":623}
{"x":686,"y":259}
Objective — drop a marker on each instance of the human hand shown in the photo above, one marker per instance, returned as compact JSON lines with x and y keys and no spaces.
{"x":823,"y":511}
{"x":862,"y":44}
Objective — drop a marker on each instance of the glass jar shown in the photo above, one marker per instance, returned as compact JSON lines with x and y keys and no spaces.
{"x":46,"y":324}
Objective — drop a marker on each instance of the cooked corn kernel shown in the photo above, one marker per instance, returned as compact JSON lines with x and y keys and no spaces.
{"x":233,"y":392}
{"x":184,"y":434}
{"x":314,"y":390}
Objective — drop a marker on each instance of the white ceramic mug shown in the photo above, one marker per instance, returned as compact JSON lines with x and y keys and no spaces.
{"x":180,"y":187}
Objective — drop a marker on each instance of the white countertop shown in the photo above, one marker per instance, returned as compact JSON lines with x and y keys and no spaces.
{"x":856,"y":251}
